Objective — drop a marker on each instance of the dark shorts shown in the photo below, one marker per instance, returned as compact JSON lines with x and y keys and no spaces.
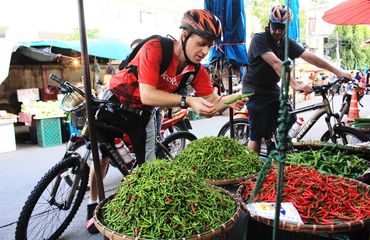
{"x":127,"y":121}
{"x":262,"y":118}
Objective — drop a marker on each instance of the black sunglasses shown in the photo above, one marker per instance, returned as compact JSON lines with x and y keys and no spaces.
{"x":280,"y":26}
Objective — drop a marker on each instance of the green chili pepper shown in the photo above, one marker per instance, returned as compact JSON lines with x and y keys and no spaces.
{"x":151,"y":215}
{"x":330,"y":160}
{"x":239,"y":97}
{"x":218,"y":158}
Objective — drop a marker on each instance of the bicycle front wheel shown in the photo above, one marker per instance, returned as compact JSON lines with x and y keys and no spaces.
{"x":174,"y":144}
{"x":345,"y":135}
{"x":241,"y":130}
{"x":45,"y":214}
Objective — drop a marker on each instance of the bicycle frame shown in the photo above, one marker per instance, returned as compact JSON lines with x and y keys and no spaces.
{"x":322,"y":108}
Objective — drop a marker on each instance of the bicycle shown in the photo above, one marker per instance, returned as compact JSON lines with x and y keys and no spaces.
{"x":56,"y":198}
{"x":336,"y":133}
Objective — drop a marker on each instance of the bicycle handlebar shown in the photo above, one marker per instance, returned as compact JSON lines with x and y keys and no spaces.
{"x":67,"y":85}
{"x":324,"y":88}
{"x":57,"y":79}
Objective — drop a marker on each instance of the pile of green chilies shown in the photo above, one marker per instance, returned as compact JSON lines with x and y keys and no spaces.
{"x":328,"y":161}
{"x":162,"y":201}
{"x":319,"y":198}
{"x":219,"y":158}
{"x":361,"y":123}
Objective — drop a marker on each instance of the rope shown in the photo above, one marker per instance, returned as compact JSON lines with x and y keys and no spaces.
{"x":282,"y":138}
{"x":282,"y":132}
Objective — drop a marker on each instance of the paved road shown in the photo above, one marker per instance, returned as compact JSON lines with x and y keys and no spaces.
{"x":20,"y":171}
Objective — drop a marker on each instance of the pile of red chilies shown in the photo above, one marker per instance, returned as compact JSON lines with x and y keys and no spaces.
{"x":319,"y":198}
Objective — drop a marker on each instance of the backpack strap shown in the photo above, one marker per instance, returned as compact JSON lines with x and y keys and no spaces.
{"x":167,"y":51}
{"x":187,"y":79}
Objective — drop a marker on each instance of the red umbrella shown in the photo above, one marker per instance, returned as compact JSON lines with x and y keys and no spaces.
{"x":351,"y":12}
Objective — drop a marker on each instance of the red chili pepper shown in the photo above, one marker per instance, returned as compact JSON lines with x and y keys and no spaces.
{"x":137,"y":231}
{"x":325,"y":221}
{"x":169,"y":200}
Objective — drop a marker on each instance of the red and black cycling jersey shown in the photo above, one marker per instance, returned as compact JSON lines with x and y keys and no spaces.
{"x":125,"y":85}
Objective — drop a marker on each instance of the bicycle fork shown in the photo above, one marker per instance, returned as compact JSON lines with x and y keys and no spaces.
{"x":67,"y":203}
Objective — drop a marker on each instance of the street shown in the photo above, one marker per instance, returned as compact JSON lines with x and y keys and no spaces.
{"x":22,"y":169}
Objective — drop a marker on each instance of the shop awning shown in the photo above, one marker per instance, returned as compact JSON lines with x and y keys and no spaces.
{"x":104,"y":48}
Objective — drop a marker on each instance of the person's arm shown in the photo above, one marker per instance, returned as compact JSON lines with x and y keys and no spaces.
{"x":321,"y":63}
{"x":154,"y":97}
{"x":276,"y":64}
{"x":206,"y":106}
{"x":219,"y":102}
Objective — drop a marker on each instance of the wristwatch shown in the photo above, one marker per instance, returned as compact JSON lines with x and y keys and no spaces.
{"x":183,"y":104}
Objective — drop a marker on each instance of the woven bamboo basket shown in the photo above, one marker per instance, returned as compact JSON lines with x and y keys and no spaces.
{"x":341,"y":227}
{"x":211,"y":234}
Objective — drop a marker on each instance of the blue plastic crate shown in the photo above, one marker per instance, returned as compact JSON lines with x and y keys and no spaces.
{"x":73,"y":130}
{"x":48,"y":132}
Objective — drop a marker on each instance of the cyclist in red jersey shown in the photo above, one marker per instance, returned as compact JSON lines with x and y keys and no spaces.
{"x":141,"y":92}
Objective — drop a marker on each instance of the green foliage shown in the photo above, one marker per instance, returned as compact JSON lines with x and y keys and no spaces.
{"x":261,"y":8}
{"x":75,"y":34}
{"x":353,"y":51}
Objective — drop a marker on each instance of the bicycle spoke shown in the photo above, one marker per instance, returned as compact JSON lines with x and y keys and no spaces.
{"x":45,"y":215}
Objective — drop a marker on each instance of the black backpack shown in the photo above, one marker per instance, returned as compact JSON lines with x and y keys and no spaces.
{"x":167,"y":51}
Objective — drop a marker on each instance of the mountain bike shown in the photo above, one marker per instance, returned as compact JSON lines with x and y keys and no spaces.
{"x":56,"y":198}
{"x":336,"y":132}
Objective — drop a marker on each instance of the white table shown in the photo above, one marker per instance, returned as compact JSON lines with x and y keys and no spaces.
{"x":7,"y":133}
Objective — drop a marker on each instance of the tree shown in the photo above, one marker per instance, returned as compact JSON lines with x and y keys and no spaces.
{"x":75,"y":35}
{"x":353,"y":51}
{"x":261,"y":8}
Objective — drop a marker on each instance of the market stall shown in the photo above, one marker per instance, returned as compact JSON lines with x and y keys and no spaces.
{"x":7,"y":140}
{"x":44,"y":120}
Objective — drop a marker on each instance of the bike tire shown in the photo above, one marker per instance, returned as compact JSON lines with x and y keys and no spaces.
{"x":347,"y":135}
{"x":174,"y":143}
{"x":241,"y":130}
{"x":37,"y":212}
{"x":179,"y":126}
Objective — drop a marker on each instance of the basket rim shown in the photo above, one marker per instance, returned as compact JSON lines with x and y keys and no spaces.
{"x":210,"y":234}
{"x":75,"y":108}
{"x":316,"y":144}
{"x":312,"y":228}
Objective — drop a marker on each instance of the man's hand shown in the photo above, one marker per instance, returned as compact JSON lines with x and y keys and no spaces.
{"x":201,"y":106}
{"x":307,"y":89}
{"x":343,"y":74}
{"x":239,"y":104}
